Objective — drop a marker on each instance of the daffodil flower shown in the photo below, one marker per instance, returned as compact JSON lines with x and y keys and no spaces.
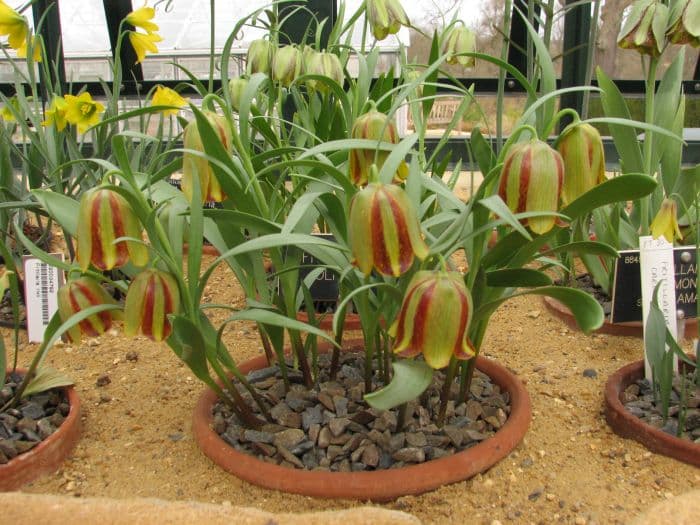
{"x":665,"y":223}
{"x":142,"y":18}
{"x":82,"y":111}
{"x":36,"y":50}
{"x":56,"y":114}
{"x":13,"y":25}
{"x":164,"y":96}
{"x":6,"y":113}
{"x":142,"y":43}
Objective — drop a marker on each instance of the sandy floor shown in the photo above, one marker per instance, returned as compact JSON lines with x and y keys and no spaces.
{"x":570,"y":468}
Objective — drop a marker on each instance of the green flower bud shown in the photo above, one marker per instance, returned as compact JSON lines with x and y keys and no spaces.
{"x":105,"y":216}
{"x":79,"y":294}
{"x":581,"y":149}
{"x":434,"y":319}
{"x":459,"y":39}
{"x":385,"y":17}
{"x":377,"y":126}
{"x":531,"y":180}
{"x":236,"y":87}
{"x":327,"y":65}
{"x":684,"y":23}
{"x":259,"y":57}
{"x":287,"y":65}
{"x":196,"y":165}
{"x":152,"y":296}
{"x":384,"y":230}
{"x":644,"y":27}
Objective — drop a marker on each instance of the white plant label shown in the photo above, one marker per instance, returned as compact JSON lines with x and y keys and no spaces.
{"x":41,"y":284}
{"x":656,"y":265}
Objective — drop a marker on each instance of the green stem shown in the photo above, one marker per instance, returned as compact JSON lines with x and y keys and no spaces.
{"x":648,"y":138}
{"x":212,"y":43}
{"x":445,"y":394}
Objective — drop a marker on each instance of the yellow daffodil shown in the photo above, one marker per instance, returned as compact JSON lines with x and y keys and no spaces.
{"x":164,"y":96}
{"x":142,"y":43}
{"x":36,"y":50}
{"x":82,"y":111}
{"x":13,"y":25}
{"x":56,"y":114}
{"x":142,"y":18}
{"x":665,"y":223}
{"x":6,"y":113}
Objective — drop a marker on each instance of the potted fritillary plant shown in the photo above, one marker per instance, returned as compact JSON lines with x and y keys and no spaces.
{"x":299,"y":146}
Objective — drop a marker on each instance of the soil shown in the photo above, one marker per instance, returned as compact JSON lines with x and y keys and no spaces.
{"x":138,"y":400}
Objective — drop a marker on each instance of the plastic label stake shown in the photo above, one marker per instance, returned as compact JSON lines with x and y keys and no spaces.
{"x":656,"y":264}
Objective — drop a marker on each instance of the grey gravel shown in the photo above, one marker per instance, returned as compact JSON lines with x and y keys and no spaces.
{"x":333,"y":429}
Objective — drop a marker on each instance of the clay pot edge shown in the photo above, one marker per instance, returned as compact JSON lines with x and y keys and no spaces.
{"x":382,"y":485}
{"x":47,"y":455}
{"x":629,"y":426}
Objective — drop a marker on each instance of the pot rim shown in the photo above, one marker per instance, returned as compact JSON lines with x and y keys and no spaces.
{"x":49,"y":453}
{"x":379,"y":485}
{"x":630,"y":426}
{"x":628,"y":328}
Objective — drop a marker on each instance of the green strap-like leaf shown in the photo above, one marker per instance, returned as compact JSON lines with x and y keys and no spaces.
{"x":59,"y":207}
{"x":45,"y":379}
{"x":623,"y":188}
{"x":411,"y":378}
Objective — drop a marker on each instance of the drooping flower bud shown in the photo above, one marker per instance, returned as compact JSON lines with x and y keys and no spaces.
{"x":377,"y":126}
{"x":152,"y":296}
{"x":384,"y":230}
{"x":236,"y":87}
{"x":385,"y":17}
{"x":644,"y":27}
{"x":327,"y":65}
{"x":286,"y":66}
{"x":194,"y":165}
{"x":581,"y":149}
{"x":459,"y":39}
{"x":259,"y":57}
{"x":666,"y":223}
{"x":77,"y":295}
{"x":684,"y":23}
{"x":105,"y":216}
{"x":531,"y":180}
{"x":434,"y":319}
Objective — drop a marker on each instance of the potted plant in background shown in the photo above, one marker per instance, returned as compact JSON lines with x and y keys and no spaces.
{"x":655,"y":31}
{"x":396,"y":227}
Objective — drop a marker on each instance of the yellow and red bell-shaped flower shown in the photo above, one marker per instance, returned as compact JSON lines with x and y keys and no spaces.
{"x":259,"y":57}
{"x":644,"y":27}
{"x":384,"y":230}
{"x":195,"y":165}
{"x":77,"y":295}
{"x":152,"y":296}
{"x":684,"y":23}
{"x":531,"y":181}
{"x":325,"y":64}
{"x":104,"y":217}
{"x":236,"y":88}
{"x":385,"y":17}
{"x":373,"y":125}
{"x":287,"y":64}
{"x":581,"y":148}
{"x":459,"y":39}
{"x":665,"y":223}
{"x":434,"y":319}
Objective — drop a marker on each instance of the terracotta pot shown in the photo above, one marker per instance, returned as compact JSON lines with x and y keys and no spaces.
{"x":47,"y":455}
{"x":352,"y":321}
{"x":380,"y":485}
{"x":207,"y":249}
{"x":629,"y":426}
{"x":632,"y":328}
